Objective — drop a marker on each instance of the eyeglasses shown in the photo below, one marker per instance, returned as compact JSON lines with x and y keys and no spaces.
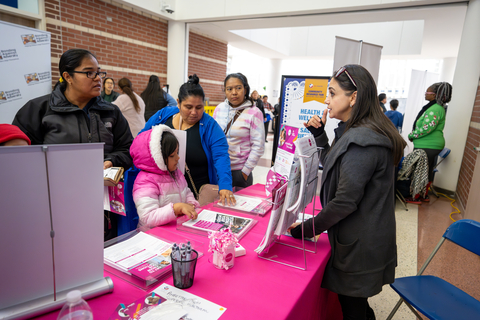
{"x":92,"y":74}
{"x":342,"y":70}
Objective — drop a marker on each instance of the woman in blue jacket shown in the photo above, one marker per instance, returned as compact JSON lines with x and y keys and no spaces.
{"x":207,"y":146}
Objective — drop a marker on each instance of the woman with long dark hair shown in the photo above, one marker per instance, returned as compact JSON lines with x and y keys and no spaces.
{"x":427,"y":131}
{"x":357,"y":191}
{"x":131,"y":105}
{"x":155,"y":98}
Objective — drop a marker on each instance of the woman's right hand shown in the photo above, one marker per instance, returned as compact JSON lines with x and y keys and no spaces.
{"x":315,"y":121}
{"x":187,"y":209}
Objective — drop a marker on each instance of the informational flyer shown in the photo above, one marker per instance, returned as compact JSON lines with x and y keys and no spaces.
{"x":286,"y":150}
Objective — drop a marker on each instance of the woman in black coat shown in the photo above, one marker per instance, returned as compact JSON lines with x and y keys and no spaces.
{"x":357,"y":192}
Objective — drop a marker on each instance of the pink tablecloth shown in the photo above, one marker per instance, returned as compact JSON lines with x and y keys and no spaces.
{"x":254,"y":288}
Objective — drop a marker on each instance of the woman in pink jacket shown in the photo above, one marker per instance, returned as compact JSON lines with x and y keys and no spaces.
{"x":160,"y":191}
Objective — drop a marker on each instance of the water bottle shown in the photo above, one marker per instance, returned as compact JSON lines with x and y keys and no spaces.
{"x":75,"y":308}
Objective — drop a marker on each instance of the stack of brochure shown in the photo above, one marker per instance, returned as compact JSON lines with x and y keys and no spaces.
{"x":143,"y":256}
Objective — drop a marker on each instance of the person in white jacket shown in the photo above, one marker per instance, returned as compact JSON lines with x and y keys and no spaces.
{"x":245,"y":133}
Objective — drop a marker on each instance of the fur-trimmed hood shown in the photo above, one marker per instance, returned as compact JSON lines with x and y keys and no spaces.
{"x":146,"y":150}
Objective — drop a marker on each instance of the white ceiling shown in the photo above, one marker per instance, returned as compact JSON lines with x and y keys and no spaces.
{"x":426,"y":32}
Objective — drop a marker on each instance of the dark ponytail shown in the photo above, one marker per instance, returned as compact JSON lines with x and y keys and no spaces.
{"x":191,"y":88}
{"x":69,"y":61}
{"x":443,"y":92}
{"x":126,"y":87}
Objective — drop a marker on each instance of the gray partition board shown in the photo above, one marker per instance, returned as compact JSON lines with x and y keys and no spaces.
{"x":74,"y":188}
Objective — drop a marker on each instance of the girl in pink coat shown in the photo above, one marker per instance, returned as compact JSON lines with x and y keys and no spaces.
{"x":160,"y":191}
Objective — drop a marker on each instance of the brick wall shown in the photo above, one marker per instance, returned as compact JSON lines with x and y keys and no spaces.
{"x":208,"y":59}
{"x":470,"y":155}
{"x":132,"y":45}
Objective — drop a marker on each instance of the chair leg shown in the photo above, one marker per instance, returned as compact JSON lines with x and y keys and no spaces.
{"x":399,"y":303}
{"x":414,"y":311}
{"x":402,"y":199}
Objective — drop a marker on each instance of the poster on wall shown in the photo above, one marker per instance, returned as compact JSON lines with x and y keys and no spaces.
{"x":301,"y":98}
{"x":25,"y":66}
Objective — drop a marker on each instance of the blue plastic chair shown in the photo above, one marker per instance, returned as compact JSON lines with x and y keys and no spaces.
{"x":442,"y":155}
{"x":433,"y":296}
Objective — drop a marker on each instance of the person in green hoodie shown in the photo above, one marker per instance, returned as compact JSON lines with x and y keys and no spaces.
{"x":427,"y":131}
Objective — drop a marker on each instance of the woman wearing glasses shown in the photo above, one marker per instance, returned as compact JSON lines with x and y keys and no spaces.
{"x":427,"y":131}
{"x":75,"y":113}
{"x":357,"y":192}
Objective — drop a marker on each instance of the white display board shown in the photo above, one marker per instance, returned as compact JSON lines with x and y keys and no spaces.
{"x":70,"y":181}
{"x":25,"y":67}
{"x":349,"y":51}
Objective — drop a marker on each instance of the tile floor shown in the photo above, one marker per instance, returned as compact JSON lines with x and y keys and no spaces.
{"x":418,"y":231}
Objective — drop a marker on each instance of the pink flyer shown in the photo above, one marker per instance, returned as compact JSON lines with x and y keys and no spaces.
{"x":288,"y":136}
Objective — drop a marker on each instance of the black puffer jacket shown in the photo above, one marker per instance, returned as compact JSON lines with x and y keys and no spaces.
{"x":52,"y":119}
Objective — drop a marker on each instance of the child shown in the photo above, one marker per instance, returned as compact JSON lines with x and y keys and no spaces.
{"x":160,"y":191}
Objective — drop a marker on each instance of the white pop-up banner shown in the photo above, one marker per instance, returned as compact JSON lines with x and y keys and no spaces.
{"x":25,"y":67}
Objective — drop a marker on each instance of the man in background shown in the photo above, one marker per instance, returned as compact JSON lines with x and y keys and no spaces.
{"x":382,"y":97}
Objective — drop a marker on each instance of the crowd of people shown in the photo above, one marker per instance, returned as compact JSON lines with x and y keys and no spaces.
{"x":358,"y":181}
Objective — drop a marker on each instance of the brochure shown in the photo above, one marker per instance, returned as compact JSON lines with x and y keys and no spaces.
{"x":143,"y":255}
{"x":196,"y":308}
{"x":113,"y":199}
{"x":208,"y":220}
{"x":138,"y":308}
{"x":248,"y":204}
{"x":278,"y":202}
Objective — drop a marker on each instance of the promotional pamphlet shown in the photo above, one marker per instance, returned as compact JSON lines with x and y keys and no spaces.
{"x":137,"y":309}
{"x":197,"y":308}
{"x":143,"y":255}
{"x":248,"y":204}
{"x":113,"y":199}
{"x":208,"y":220}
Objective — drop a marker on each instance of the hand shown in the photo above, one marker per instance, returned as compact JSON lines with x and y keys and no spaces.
{"x":185,"y":209}
{"x":107,"y":164}
{"x":227,"y":198}
{"x":315,"y":121}
{"x":293,"y":226}
{"x":244,"y":176}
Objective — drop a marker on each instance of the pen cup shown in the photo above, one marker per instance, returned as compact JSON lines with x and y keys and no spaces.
{"x":184,"y":270}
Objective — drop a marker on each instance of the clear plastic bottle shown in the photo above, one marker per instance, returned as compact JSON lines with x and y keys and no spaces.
{"x":75,"y":308}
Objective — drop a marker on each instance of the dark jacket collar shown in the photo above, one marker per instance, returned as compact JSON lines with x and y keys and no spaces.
{"x":59,"y":103}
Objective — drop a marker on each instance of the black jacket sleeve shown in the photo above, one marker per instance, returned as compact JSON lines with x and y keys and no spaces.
{"x":123,"y":139}
{"x":29,"y":119}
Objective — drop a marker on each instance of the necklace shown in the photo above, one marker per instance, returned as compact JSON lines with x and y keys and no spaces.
{"x":180,"y":123}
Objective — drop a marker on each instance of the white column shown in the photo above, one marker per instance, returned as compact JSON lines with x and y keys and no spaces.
{"x":465,"y":83}
{"x":448,"y":69}
{"x":177,"y":56}
{"x":276,"y":81}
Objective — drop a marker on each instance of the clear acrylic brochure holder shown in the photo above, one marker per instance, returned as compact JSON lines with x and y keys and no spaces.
{"x":307,"y":193}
